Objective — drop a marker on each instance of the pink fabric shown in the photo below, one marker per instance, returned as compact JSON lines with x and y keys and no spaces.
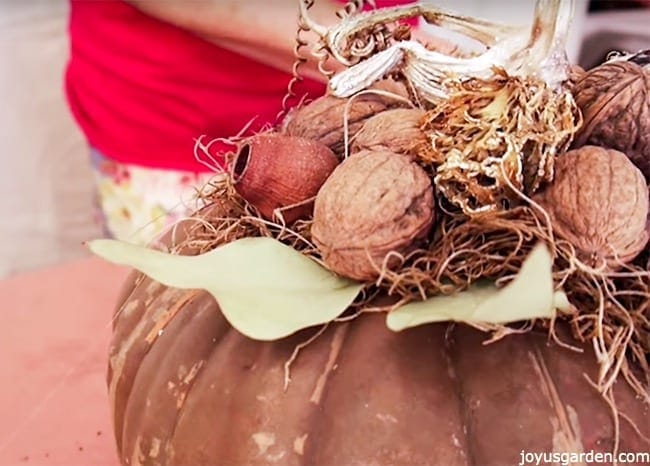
{"x":143,"y":90}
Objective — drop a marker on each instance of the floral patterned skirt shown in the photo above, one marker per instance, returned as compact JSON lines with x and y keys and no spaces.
{"x":136,"y":204}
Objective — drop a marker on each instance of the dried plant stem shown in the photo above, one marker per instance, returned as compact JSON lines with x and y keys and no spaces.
{"x":296,"y":351}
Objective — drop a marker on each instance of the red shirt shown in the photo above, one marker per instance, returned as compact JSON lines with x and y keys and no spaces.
{"x":143,"y":90}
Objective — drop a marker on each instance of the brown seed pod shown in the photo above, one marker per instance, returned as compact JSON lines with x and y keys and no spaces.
{"x":374,"y":203}
{"x":273,"y":171}
{"x":323,"y":119}
{"x":397,"y":130}
{"x":615,"y":102}
{"x":598,"y":201}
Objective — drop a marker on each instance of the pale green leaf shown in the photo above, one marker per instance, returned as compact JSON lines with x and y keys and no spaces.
{"x":529,"y":295}
{"x":265,"y":289}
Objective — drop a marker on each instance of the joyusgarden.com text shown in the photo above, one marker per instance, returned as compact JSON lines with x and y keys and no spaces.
{"x":591,"y":457}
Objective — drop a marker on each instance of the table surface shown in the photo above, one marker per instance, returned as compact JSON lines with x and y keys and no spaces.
{"x":54,"y":332}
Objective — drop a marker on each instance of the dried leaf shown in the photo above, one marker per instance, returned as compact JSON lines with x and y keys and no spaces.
{"x":529,"y":295}
{"x":265,"y":289}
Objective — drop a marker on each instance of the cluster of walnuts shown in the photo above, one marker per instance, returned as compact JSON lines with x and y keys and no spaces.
{"x":599,"y":197}
{"x":379,"y":200}
{"x":378,"y":203}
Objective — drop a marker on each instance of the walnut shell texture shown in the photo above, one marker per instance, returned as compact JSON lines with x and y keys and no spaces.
{"x":374,"y":203}
{"x":599,"y":202}
{"x":398,"y":130}
{"x":323,"y":119}
{"x":615,"y":101}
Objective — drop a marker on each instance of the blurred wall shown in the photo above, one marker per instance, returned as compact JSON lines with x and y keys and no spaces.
{"x":625,"y":30}
{"x":45,"y":179}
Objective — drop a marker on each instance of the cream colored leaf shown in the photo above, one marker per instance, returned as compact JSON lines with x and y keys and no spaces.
{"x":529,"y":295}
{"x":265,"y":289}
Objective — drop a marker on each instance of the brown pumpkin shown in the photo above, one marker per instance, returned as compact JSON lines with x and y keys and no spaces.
{"x":187,"y":389}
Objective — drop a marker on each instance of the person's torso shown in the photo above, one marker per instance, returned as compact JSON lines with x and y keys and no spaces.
{"x":143,"y":90}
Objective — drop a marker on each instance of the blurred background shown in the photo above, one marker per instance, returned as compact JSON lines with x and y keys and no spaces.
{"x":45,"y":180}
{"x":46,"y":185}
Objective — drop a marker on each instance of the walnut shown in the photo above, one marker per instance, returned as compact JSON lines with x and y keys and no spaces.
{"x":598,"y":201}
{"x":614,"y":99}
{"x":323,"y":119}
{"x":374,"y":203}
{"x":398,"y":130}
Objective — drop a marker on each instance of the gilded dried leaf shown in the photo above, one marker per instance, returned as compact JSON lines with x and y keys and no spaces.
{"x":493,"y":134}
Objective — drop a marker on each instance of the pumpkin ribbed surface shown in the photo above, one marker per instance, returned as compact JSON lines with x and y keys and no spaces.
{"x":187,"y":389}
